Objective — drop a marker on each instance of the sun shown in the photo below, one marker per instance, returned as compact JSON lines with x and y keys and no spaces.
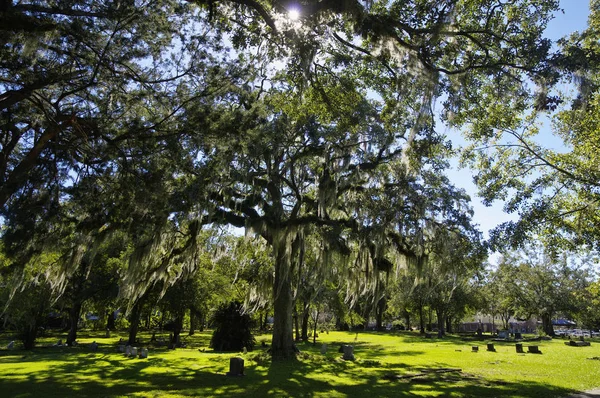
{"x":294,"y":14}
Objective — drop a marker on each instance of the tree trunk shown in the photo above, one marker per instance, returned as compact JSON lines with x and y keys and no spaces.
{"x":547,"y":324}
{"x":177,"y":327}
{"x":440,"y":323}
{"x":429,"y":323}
{"x":421,"y":319}
{"x":110,"y":320}
{"x":29,"y":335}
{"x":448,"y":324}
{"x":202,"y":318}
{"x":193,"y":321}
{"x":74,"y":313}
{"x":296,"y":324}
{"x":282,"y":346}
{"x":134,"y":322}
{"x":305,"y":318}
{"x":379,"y":310}
{"x":265,"y":320}
{"x":366,"y":316}
{"x":316,"y":325}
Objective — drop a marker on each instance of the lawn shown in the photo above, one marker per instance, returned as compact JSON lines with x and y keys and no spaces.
{"x":198,"y":371}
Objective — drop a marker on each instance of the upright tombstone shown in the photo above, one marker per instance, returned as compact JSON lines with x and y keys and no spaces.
{"x":134,"y":351}
{"x":236,"y":367}
{"x":143,"y":353}
{"x":324,"y":349}
{"x":519,"y":348}
{"x":10,"y":345}
{"x":121,"y":347}
{"x":107,"y":335}
{"x":245,"y":350}
{"x":94,"y":346}
{"x":348,"y":353}
{"x":128,"y":351}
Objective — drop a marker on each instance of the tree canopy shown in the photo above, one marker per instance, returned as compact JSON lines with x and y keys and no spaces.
{"x":157,"y":119}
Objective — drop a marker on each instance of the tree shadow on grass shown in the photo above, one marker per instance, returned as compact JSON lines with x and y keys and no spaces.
{"x":108,"y":374}
{"x":347,"y":379}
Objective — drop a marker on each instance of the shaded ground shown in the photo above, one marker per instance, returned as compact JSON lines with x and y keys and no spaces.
{"x":198,"y":371}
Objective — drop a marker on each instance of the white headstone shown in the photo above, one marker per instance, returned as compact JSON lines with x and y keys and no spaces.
{"x":134,"y":352}
{"x":143,"y":353}
{"x":324,"y":349}
{"x":245,"y":350}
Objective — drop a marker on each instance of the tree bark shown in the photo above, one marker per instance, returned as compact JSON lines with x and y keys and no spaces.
{"x":305,"y":318}
{"x":282,"y":346}
{"x":193,"y":321}
{"x":29,"y":335}
{"x":316,"y":325}
{"x":547,"y":324}
{"x":296,"y":324}
{"x":134,"y":321}
{"x":440,"y":322}
{"x":429,"y":322}
{"x":421,"y":319}
{"x":177,"y":327}
{"x":379,"y":310}
{"x":74,"y":313}
{"x":110,"y":320}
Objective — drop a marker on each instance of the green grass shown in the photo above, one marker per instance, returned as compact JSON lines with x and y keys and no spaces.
{"x":60,"y":372}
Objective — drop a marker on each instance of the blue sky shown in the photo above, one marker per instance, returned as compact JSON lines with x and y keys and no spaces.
{"x":574,"y":18}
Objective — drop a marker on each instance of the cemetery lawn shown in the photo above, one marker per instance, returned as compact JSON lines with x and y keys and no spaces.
{"x":380,"y":358}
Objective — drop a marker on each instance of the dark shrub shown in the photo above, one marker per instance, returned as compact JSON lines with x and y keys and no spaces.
{"x":232,"y":329}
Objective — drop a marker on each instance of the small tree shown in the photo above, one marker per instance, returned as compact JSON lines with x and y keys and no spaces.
{"x":232,"y":329}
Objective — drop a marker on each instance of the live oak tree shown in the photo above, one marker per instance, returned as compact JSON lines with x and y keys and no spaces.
{"x":325,"y":123}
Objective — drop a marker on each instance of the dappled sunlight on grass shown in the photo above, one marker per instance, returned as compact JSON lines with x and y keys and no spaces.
{"x":386,"y":365}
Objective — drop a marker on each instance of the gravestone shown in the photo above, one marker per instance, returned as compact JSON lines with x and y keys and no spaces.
{"x":533,"y":349}
{"x":121,"y":347}
{"x":502,"y":334}
{"x":236,"y":367}
{"x":245,"y":350}
{"x":94,"y":346}
{"x":490,"y":347}
{"x":107,"y":335}
{"x":134,"y":351}
{"x":348,"y":353}
{"x":518,"y":335}
{"x":324,"y":349}
{"x":128,"y":351}
{"x":519,"y":348}
{"x":143,"y":353}
{"x":10,"y":345}
{"x":475,"y":348}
